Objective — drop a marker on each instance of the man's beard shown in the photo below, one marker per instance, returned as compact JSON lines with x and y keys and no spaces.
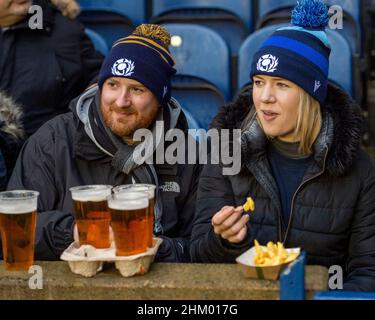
{"x":127,"y":131}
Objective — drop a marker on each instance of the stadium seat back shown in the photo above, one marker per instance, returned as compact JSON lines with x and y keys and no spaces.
{"x":202,"y":82}
{"x":231,"y":19}
{"x":112,"y":19}
{"x":98,"y":41}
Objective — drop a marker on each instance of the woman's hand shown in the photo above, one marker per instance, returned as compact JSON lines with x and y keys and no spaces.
{"x":230,"y":224}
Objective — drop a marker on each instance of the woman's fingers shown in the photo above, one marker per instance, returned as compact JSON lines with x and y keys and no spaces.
{"x":235,"y":228}
{"x":222,"y":215}
{"x":240,"y":236}
{"x":226,"y":219}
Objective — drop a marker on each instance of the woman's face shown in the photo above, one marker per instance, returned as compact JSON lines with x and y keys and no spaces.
{"x":276,"y":101}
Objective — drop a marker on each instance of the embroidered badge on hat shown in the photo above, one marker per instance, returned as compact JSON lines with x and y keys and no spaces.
{"x":317,"y":85}
{"x":123,"y":68}
{"x":267,"y":63}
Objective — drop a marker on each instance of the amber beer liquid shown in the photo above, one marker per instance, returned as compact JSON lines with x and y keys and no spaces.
{"x":150,"y":190}
{"x":129,"y":222}
{"x":151,"y":206}
{"x":17,"y":226}
{"x":92,"y":215}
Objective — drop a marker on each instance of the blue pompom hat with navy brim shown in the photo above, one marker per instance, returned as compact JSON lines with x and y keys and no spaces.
{"x":143,"y":59}
{"x":299,"y":53}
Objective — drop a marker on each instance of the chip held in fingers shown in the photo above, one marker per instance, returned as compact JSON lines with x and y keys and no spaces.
{"x":249,"y":205}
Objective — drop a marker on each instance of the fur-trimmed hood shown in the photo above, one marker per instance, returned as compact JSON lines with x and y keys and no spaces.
{"x":341,"y":132}
{"x":10,"y":118}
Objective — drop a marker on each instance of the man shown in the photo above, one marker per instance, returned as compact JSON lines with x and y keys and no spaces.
{"x":43,"y":69}
{"x":11,"y":137}
{"x":94,"y":145}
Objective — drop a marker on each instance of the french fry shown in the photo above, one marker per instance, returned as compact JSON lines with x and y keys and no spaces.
{"x":272,"y":254}
{"x":249,"y":205}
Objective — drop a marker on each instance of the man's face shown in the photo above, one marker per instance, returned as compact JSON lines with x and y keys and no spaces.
{"x":10,"y":8}
{"x":127,"y":105}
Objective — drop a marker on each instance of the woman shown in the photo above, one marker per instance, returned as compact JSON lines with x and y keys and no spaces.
{"x":312,"y":185}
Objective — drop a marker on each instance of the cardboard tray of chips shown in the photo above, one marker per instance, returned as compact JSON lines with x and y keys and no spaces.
{"x":87,"y":261}
{"x":249,"y":270}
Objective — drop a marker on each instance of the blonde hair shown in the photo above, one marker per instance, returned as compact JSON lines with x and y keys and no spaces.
{"x":308,"y":126}
{"x":309,"y":122}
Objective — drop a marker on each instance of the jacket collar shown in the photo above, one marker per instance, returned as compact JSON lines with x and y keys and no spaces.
{"x":85,"y":145}
{"x":341,"y":132}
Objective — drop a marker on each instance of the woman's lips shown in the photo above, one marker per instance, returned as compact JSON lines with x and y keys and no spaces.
{"x":269,"y":115}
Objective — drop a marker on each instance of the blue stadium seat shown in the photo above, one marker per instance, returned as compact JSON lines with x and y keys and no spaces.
{"x":112,"y":19}
{"x":98,"y":41}
{"x":278,"y":11}
{"x":193,"y":124}
{"x":268,"y":7}
{"x":344,"y":295}
{"x":352,"y":7}
{"x":340,"y":71}
{"x":353,"y":22}
{"x":202,"y":82}
{"x":232,"y":19}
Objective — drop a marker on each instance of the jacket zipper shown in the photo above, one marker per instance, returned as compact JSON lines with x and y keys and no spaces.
{"x":295,"y":193}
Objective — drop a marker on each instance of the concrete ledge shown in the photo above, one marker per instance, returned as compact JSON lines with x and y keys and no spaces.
{"x":163,"y":282}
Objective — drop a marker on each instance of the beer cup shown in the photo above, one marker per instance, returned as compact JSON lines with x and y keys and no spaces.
{"x":17,"y":225}
{"x":129,"y":222}
{"x":92,"y":215}
{"x":150,"y":190}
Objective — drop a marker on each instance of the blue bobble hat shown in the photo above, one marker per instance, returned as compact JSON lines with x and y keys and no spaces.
{"x":299,"y":53}
{"x":144,"y":57}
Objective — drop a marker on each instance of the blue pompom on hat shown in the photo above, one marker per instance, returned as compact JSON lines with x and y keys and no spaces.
{"x":299,"y":53}
{"x":144,"y":59}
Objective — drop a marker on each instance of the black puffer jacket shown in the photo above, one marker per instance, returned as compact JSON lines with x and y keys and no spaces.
{"x":61,"y":155}
{"x":333,"y":210}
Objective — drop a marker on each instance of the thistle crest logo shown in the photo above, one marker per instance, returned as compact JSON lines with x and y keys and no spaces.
{"x":123,"y":68}
{"x":267,"y":63}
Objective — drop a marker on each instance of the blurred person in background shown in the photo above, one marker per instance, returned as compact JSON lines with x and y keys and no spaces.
{"x":42,"y":70}
{"x":11,"y":137}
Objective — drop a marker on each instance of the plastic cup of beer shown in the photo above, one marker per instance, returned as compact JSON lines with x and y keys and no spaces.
{"x":92,"y":215}
{"x":129,"y":221}
{"x":150,"y":190}
{"x":17,"y":225}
